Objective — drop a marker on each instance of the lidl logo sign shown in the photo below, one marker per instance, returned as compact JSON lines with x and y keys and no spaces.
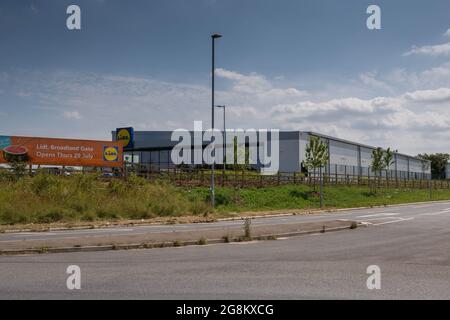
{"x":126,"y":135}
{"x":111,"y":154}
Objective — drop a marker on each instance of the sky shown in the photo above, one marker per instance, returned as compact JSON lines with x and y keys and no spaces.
{"x":310,"y":65}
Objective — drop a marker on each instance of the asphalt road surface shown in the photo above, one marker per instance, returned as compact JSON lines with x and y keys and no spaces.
{"x":410,"y":244}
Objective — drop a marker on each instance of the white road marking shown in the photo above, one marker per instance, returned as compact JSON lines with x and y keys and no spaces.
{"x":381,"y":218}
{"x":379,"y":214}
{"x":433,"y":213}
{"x":398,"y":220}
{"x":422,"y":206}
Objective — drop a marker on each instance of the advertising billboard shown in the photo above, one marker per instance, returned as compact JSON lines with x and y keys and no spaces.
{"x":64,"y":152}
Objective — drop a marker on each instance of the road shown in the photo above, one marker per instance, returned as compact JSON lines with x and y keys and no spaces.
{"x":410,"y":244}
{"x":375,"y":216}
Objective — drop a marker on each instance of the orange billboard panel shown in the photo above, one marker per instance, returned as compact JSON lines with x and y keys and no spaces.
{"x":64,"y":152}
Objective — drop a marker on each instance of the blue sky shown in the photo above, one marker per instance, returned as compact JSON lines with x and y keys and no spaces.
{"x":306,"y":65}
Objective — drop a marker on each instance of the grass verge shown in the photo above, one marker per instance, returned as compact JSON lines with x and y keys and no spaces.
{"x":76,"y":199}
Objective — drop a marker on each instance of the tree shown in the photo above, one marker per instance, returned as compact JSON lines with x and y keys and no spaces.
{"x":18,"y":169}
{"x":438,"y":163}
{"x":388,"y":160}
{"x":316,"y":157}
{"x":316,"y":154}
{"x":378,"y":163}
{"x":238,"y":152}
{"x":382,"y":160}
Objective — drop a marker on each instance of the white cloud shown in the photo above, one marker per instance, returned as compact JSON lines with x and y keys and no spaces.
{"x":403,"y":80}
{"x":447,"y":33}
{"x":369,"y":79}
{"x":257,"y":84}
{"x":403,"y":120}
{"x":72,"y":115}
{"x":439,"y":72}
{"x":380,"y":121}
{"x":437,"y":95}
{"x":434,"y":50}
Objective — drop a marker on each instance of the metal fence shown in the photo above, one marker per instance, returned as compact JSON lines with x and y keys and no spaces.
{"x":249,"y":178}
{"x":189,"y":176}
{"x":345,"y":170}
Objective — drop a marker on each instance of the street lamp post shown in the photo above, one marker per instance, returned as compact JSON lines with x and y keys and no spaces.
{"x":213,"y":38}
{"x":224,"y":141}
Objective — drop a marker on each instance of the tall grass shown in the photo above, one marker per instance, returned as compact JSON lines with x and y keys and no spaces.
{"x":47,"y":198}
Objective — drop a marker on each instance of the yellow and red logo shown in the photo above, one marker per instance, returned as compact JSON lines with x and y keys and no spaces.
{"x":111,"y":154}
{"x":124,"y":135}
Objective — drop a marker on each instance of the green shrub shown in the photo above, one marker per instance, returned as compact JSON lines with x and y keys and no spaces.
{"x":19,"y":169}
{"x":117,"y":186}
{"x":134,"y":181}
{"x":42,"y":182}
{"x":85,"y":182}
{"x":163,"y":208}
{"x":54,"y":215}
{"x":222,"y":198}
{"x":199,"y":207}
{"x":6,"y":177}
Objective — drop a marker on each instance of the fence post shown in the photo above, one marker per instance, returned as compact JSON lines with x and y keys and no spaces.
{"x":368,"y":175}
{"x":335,"y":174}
{"x":429,"y":186}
